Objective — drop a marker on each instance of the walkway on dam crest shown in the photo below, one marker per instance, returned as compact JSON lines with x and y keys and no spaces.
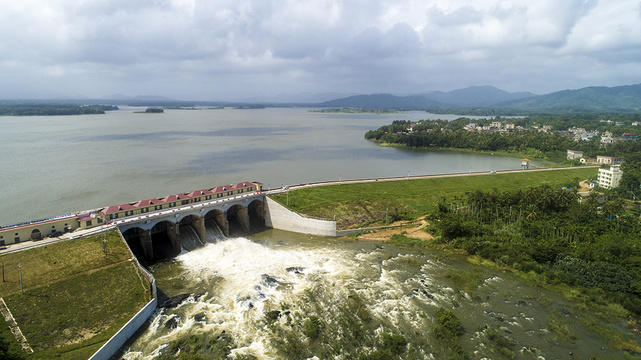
{"x":410,"y":177}
{"x":196,"y":206}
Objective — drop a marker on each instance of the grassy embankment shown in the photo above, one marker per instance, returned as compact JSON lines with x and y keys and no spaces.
{"x":75,"y":296}
{"x":360,"y":205}
{"x":357,"y":205}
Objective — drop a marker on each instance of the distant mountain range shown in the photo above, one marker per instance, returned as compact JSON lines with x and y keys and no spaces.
{"x":474,"y":100}
{"x":483,"y":98}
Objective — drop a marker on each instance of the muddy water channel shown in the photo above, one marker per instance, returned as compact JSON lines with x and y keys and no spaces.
{"x":280,"y":295}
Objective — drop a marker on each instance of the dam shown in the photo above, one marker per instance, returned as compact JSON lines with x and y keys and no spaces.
{"x":159,"y":227}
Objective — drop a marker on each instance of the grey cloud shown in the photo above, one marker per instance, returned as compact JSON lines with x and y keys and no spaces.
{"x":236,"y":48}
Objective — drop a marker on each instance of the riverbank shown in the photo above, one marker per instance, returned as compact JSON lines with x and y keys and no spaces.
{"x":532,"y":155}
{"x":364,"y":202}
{"x":419,"y":197}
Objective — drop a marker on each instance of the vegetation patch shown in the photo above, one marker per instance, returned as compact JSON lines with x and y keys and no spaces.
{"x":616,"y":339}
{"x":352,"y":205}
{"x":448,"y":329}
{"x":502,"y":343}
{"x":403,"y":240}
{"x":200,"y":346}
{"x":75,"y":295}
{"x":467,"y":280}
{"x":9,"y":348}
{"x":45,"y":264}
{"x":52,"y":109}
{"x":84,"y":311}
{"x":558,"y":325}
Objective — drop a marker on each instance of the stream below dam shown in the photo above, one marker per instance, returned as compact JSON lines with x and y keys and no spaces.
{"x":281,"y":295}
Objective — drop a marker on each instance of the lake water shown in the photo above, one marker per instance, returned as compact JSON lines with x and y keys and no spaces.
{"x":53,"y":165}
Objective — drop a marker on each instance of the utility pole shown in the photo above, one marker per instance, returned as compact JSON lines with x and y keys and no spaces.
{"x":104,"y":229}
{"x":21,"y":289}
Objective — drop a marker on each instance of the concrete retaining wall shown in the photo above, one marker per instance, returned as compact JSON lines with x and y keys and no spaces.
{"x":118,"y":340}
{"x":114,"y":344}
{"x":279,"y":217}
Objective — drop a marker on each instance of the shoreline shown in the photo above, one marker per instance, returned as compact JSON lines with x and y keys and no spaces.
{"x":467,"y":151}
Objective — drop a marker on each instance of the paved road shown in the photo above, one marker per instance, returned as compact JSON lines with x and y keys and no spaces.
{"x":11,"y":248}
{"x":413,"y":177}
{"x":76,"y":234}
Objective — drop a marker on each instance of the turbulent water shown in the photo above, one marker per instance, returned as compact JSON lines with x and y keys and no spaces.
{"x":258,"y":296}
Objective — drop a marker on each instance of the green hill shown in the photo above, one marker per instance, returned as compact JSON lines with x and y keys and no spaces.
{"x":591,"y":99}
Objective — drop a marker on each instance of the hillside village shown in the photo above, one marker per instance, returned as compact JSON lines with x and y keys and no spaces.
{"x":581,"y":141}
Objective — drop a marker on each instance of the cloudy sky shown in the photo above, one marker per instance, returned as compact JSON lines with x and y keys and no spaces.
{"x":241,"y":49}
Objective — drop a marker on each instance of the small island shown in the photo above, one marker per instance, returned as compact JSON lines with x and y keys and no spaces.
{"x":53,"y":109}
{"x":151,"y":110}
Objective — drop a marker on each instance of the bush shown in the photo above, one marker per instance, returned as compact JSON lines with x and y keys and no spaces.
{"x":312,"y":327}
{"x":448,"y":327}
{"x":394,"y":343}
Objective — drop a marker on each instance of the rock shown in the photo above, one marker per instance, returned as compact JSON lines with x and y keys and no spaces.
{"x":201,"y":317}
{"x":298,"y":270}
{"x":223,"y":336}
{"x":172,"y":323}
{"x":247,"y":302}
{"x":174,"y":301}
{"x":269,"y":280}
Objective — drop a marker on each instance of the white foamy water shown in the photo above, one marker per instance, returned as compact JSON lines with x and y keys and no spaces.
{"x":251,"y":279}
{"x":262,"y":292}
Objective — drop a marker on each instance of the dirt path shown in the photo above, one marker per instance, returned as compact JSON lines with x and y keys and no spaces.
{"x":412,"y":229}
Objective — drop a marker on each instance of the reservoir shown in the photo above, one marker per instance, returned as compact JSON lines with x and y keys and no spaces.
{"x":52,"y":165}
{"x":255,"y":297}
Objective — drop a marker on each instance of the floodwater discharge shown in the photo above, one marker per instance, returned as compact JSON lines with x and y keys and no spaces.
{"x":259,"y":294}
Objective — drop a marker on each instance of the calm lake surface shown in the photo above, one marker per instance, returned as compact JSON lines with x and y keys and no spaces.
{"x":52,"y":165}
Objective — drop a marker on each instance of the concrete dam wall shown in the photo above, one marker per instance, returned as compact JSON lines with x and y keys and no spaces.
{"x":279,"y":217}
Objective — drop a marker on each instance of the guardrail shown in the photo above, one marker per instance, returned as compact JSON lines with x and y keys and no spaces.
{"x":118,"y":340}
{"x":286,"y":188}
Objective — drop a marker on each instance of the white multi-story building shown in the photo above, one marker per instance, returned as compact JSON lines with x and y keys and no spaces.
{"x":574,"y":154}
{"x":610,"y":178}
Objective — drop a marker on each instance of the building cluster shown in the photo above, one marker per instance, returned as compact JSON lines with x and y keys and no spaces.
{"x":607,"y":138}
{"x":615,"y":123}
{"x":581,"y":134}
{"x":608,"y":178}
{"x":495,"y":126}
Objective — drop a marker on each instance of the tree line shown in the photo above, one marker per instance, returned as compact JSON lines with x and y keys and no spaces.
{"x":548,"y":231}
{"x":53,"y":109}
{"x":554,"y":143}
